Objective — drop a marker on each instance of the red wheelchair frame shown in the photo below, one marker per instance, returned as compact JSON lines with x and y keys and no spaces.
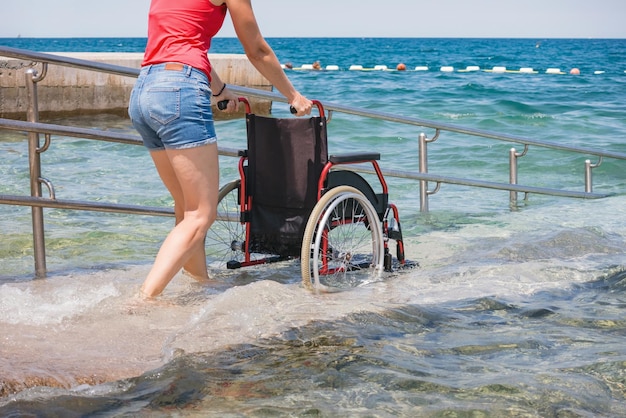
{"x":348,"y":226}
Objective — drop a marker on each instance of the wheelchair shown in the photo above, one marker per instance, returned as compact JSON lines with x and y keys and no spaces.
{"x":293,"y":200}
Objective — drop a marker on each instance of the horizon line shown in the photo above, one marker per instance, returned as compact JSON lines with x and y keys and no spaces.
{"x":330,"y":37}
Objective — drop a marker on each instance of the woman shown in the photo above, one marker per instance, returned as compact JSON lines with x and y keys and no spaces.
{"x":170,"y":106}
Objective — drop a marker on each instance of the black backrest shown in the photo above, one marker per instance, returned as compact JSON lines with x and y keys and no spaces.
{"x":285,"y":160}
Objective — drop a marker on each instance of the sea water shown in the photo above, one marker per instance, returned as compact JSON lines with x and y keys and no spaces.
{"x":512,"y":312}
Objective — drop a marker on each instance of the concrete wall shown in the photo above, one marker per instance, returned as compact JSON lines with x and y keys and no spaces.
{"x":66,"y":90}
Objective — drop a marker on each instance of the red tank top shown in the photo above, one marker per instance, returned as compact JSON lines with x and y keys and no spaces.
{"x":181,"y":31}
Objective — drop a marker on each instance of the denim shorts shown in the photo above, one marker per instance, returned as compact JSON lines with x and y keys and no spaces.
{"x":170,"y":107}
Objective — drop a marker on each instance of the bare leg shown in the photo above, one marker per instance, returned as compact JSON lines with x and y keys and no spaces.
{"x":192,"y":177}
{"x":196,"y":265}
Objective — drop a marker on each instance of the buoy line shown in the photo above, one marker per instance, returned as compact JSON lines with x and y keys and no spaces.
{"x":444,"y":69}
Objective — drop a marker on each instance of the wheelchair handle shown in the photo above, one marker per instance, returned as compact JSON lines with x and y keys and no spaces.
{"x":223,"y":104}
{"x":315,"y":102}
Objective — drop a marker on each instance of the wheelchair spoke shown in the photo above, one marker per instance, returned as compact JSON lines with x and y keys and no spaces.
{"x":225,"y":238}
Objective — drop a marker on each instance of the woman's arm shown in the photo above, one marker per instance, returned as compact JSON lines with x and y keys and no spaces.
{"x":261,"y":54}
{"x":220,"y":92}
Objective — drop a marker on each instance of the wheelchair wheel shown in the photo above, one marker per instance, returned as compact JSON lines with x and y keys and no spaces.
{"x":225,"y":239}
{"x":343,"y":242}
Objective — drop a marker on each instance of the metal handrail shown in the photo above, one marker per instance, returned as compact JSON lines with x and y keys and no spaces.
{"x":33,"y":127}
{"x":6,"y":51}
{"x":52,"y":129}
{"x":245,"y":91}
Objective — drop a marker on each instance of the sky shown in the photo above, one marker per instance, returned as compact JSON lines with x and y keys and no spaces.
{"x":337,"y":18}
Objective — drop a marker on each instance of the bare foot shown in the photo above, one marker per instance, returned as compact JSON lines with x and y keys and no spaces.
{"x":200,"y":279}
{"x":138,"y":304}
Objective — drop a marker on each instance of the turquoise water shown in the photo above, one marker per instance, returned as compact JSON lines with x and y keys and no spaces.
{"x":512,"y":312}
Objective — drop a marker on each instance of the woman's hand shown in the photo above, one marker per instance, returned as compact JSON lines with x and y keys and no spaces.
{"x":230,"y":98}
{"x":302,"y":105}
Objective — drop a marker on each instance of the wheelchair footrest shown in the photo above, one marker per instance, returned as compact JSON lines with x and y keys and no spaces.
{"x":396,"y":266}
{"x":354,"y":157}
{"x":234,"y":264}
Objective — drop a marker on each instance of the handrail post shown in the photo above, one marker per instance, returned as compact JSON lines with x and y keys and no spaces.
{"x":34,"y":161}
{"x":513,"y":176}
{"x":423,"y":168}
{"x":423,"y":160}
{"x":513,"y":156}
{"x":588,"y":174}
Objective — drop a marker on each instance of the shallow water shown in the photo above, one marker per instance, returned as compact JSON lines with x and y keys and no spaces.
{"x":507,"y":318}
